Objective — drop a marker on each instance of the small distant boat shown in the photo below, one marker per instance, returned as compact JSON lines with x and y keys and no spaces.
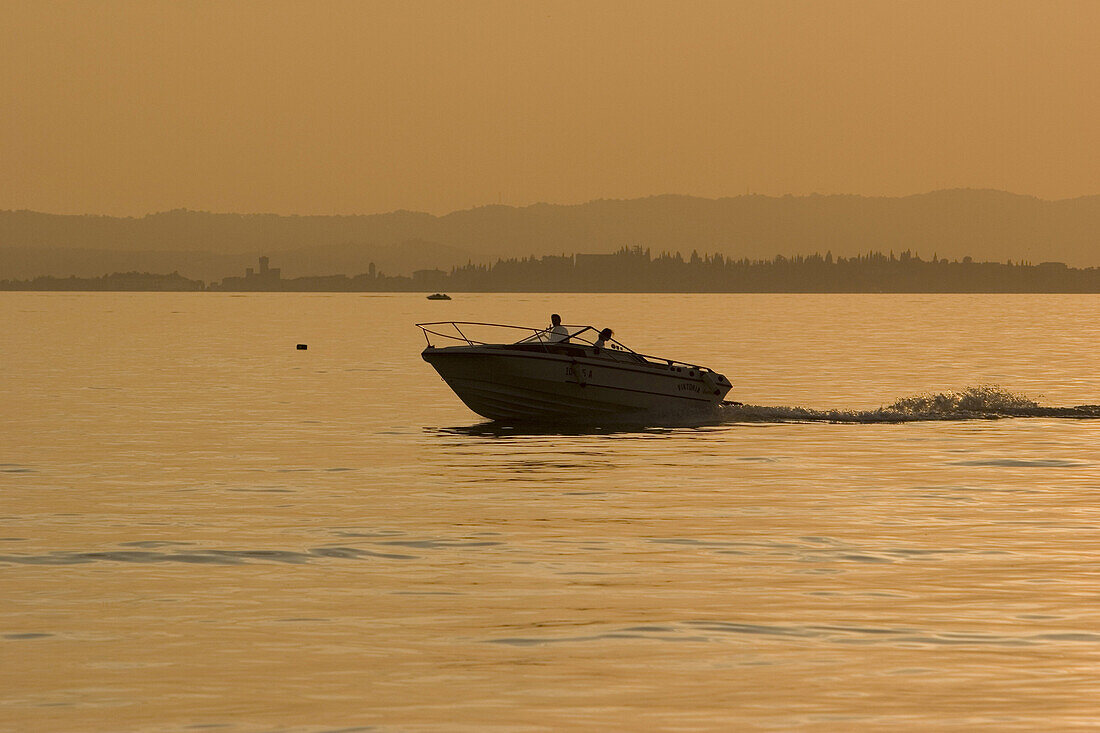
{"x":439,"y":296}
{"x":536,"y":379}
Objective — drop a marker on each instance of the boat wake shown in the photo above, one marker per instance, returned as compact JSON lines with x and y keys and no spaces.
{"x":972,"y":403}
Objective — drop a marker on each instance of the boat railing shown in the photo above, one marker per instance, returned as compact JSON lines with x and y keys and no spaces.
{"x":453,"y":331}
{"x":578,"y":335}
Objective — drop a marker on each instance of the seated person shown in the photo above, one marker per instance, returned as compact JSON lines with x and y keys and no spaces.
{"x":558,"y":333}
{"x":605,"y":336}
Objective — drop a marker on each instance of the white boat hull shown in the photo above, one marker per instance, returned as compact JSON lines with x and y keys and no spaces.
{"x":502,"y":383}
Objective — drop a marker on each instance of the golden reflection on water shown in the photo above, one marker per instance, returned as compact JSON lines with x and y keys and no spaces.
{"x":203,"y":526}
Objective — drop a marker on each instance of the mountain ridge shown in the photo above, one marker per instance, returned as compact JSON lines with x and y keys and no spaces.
{"x":986,"y":224}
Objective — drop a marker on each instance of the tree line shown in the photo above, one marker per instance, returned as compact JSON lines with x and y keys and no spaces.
{"x":635,"y":270}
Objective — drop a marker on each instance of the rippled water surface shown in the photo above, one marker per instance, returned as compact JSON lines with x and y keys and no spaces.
{"x":203,"y":527}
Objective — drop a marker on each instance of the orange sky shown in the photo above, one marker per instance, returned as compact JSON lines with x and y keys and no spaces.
{"x":358,"y":107}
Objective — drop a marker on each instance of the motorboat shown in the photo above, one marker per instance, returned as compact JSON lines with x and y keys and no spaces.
{"x":546,"y":376}
{"x":439,"y":296}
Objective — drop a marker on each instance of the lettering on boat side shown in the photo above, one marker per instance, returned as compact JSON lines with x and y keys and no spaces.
{"x":688,"y":387}
{"x":570,"y":371}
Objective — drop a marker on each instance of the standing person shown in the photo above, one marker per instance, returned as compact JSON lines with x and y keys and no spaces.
{"x":558,"y":332}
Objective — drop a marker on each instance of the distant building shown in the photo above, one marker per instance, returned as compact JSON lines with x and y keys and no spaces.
{"x":275,"y":273}
{"x":268,"y":278}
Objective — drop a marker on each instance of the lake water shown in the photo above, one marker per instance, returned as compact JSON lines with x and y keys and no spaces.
{"x":204,"y":528}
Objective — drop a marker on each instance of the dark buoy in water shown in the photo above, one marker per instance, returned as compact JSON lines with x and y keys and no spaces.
{"x":302,"y":347}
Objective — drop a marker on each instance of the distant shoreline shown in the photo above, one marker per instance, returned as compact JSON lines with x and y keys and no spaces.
{"x":568,"y":292}
{"x":987,"y":225}
{"x":634,"y":270}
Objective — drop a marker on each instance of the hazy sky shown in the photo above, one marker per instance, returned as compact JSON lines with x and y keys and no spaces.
{"x":363,"y":107}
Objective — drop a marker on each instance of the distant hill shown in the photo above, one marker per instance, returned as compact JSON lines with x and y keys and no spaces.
{"x":987,"y":225}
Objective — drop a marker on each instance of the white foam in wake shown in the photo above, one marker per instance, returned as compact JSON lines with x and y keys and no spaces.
{"x":972,"y":403}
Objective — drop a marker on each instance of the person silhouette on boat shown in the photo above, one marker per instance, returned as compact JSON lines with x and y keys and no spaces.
{"x":558,"y":333}
{"x":604,"y":337}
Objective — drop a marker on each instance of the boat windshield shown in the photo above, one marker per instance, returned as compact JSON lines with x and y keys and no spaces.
{"x":482,"y":334}
{"x":586,"y":335}
{"x":580,"y":342}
